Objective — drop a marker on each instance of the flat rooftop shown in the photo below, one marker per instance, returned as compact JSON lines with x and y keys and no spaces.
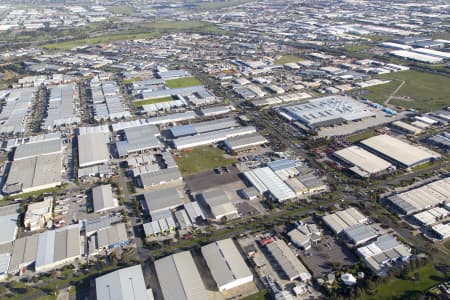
{"x":363,"y":159}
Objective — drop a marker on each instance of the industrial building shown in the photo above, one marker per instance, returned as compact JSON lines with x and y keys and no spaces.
{"x":103,"y":199}
{"x":15,"y":111}
{"x":203,"y":127}
{"x":108,"y":102}
{"x":442,"y":231}
{"x":138,"y":139}
{"x":58,"y":247}
{"x":244,"y":142}
{"x":362,"y":162}
{"x":431,"y":216}
{"x":326,"y":111}
{"x":8,"y":222}
{"x":360,"y":233}
{"x":159,"y":177}
{"x":24,"y":253}
{"x":344,"y":219}
{"x":398,"y":151}
{"x":126,"y":283}
{"x":179,"y":278}
{"x":92,"y":149}
{"x":424,"y":197}
{"x":160,"y":201}
{"x":305,"y":235}
{"x":112,"y":236}
{"x":266,"y":181}
{"x":219,"y":204}
{"x":38,"y":214}
{"x":38,"y":148}
{"x":211,"y":137}
{"x":287,"y":261}
{"x":385,"y":251}
{"x":406,"y":128}
{"x":62,"y":106}
{"x":194,"y":211}
{"x":226,"y":264}
{"x":216,"y":110}
{"x":416,"y":56}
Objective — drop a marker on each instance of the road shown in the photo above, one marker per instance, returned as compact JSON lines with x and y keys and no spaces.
{"x":394,"y":93}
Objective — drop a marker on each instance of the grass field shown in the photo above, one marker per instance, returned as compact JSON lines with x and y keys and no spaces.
{"x":401,"y":287}
{"x":152,"y":101}
{"x":361,"y":136}
{"x":261,"y":295}
{"x":120,"y":9}
{"x":287,"y":59}
{"x":131,"y":80}
{"x":145,"y":30}
{"x":423,"y":91}
{"x":357,"y":48}
{"x":182,"y":82}
{"x":201,"y":159}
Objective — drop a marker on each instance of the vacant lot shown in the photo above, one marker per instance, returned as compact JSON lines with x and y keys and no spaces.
{"x":287,"y":59}
{"x":399,"y":288}
{"x":182,"y":82}
{"x":120,"y":9}
{"x":201,"y":159}
{"x":421,"y":91}
{"x":141,"y":103}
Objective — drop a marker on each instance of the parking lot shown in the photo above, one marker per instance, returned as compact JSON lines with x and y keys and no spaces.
{"x":211,"y":179}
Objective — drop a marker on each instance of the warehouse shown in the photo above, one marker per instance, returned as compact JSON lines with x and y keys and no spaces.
{"x":288,"y":262}
{"x":418,"y":199}
{"x":32,"y":149}
{"x":203,"y":127}
{"x":431,"y":216}
{"x":160,"y":177}
{"x":112,"y":236}
{"x":194,"y":211}
{"x":344,"y":219}
{"x":266,"y":181}
{"x":360,"y":233}
{"x":244,"y":142}
{"x":380,"y":254}
{"x":305,"y":235}
{"x":102,"y":198}
{"x":161,"y":201}
{"x":226,"y":264}
{"x":138,"y":139}
{"x":326,"y":111}
{"x":61,"y":108}
{"x":182,"y":130}
{"x":24,"y":253}
{"x":182,"y":91}
{"x":211,"y":137}
{"x":179,"y":277}
{"x":416,"y":56}
{"x":92,"y":149}
{"x":35,"y":173}
{"x":442,"y":231}
{"x":362,"y":162}
{"x":126,"y":283}
{"x":219,"y":204}
{"x":399,"y":152}
{"x":58,"y":247}
{"x":183,"y":220}
{"x":15,"y":112}
{"x":216,"y":110}
{"x":38,"y":214}
{"x":8,"y":222}
{"x":406,"y":128}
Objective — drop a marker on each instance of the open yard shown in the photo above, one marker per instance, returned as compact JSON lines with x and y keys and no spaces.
{"x":428,"y":277}
{"x":421,"y":91}
{"x":287,"y":59}
{"x":261,"y":295}
{"x":141,"y":103}
{"x":120,"y":9}
{"x":182,"y":82}
{"x":201,"y":159}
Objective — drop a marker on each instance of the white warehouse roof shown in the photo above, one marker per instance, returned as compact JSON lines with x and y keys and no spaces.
{"x":227,"y":266}
{"x":127,"y":283}
{"x":363,"y":159}
{"x":92,"y":149}
{"x":179,"y":277}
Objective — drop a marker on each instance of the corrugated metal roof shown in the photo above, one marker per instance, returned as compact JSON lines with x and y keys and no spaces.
{"x":127,"y":283}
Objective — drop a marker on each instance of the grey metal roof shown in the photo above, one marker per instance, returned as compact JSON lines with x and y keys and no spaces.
{"x":127,"y":283}
{"x":92,"y":149}
{"x":226,"y":263}
{"x":179,"y":277}
{"x":103,"y":197}
{"x":138,"y":139}
{"x":38,"y":148}
{"x":360,"y":233}
{"x":25,"y":252}
{"x":286,"y":259}
{"x":112,"y":235}
{"x":243,"y":141}
{"x":214,"y":125}
{"x":281,"y":164}
{"x":162,"y":200}
{"x":160,"y":177}
{"x":8,"y":222}
{"x":182,"y":130}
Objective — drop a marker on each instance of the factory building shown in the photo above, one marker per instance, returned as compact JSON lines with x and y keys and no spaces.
{"x":92,"y":149}
{"x":226,"y":264}
{"x":399,"y":152}
{"x":102,"y":198}
{"x":266,"y":181}
{"x":442,"y":231}
{"x":126,"y":283}
{"x":382,"y":253}
{"x":58,"y":247}
{"x":138,"y":139}
{"x":179,"y":277}
{"x":244,"y":142}
{"x":362,"y":162}
{"x":9,"y":216}
{"x":424,"y":197}
{"x":159,"y":202}
{"x":62,"y":107}
{"x":305,"y":235}
{"x":15,"y":112}
{"x":159,"y":177}
{"x":287,"y":261}
{"x":431,"y":216}
{"x":219,"y":204}
{"x":360,"y":233}
{"x":326,"y":111}
{"x":24,"y":253}
{"x":344,"y":219}
{"x":38,"y":214}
